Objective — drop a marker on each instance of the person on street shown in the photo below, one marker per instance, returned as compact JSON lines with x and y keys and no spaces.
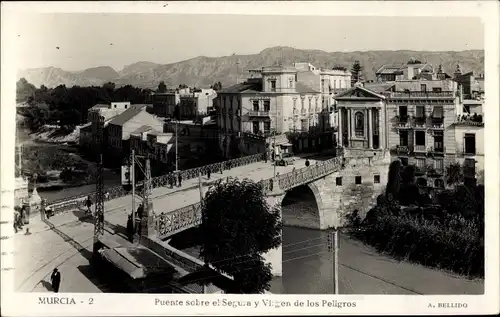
{"x":88,"y":204}
{"x":179,"y":176}
{"x":171,"y":180}
{"x":307,"y":163}
{"x":130,"y":229}
{"x":55,"y":278}
{"x":208,"y":174}
{"x":16,"y":220}
{"x":140,"y":210}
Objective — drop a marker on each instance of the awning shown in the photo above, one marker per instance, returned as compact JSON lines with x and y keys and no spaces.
{"x":437,"y":112}
{"x":137,"y":261}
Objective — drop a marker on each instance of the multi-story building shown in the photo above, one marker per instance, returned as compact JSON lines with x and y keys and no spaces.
{"x":273,"y":101}
{"x":423,"y":125}
{"x":121,"y":126}
{"x":192,"y":102}
{"x":408,"y":71}
{"x":88,"y":130}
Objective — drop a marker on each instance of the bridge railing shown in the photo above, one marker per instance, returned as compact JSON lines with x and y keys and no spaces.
{"x":78,"y":201}
{"x":169,"y":223}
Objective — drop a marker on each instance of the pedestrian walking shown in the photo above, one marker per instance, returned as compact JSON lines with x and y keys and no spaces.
{"x":208,"y":173}
{"x":221,"y":168}
{"x":307,"y":163}
{"x":140,"y":211}
{"x":88,"y":204}
{"x":170,"y":180}
{"x":16,"y":220}
{"x":265,"y":156}
{"x":130,"y":228}
{"x":179,"y":177}
{"x":106,"y":196}
{"x":55,"y":279}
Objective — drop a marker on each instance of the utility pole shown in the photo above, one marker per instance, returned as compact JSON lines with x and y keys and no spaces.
{"x":203,"y":290}
{"x":176,"y":144}
{"x":333,"y":246}
{"x":132,"y":176}
{"x":274,"y":137}
{"x":99,"y":198}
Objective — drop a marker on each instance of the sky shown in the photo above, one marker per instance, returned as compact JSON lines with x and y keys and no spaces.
{"x":89,"y":40}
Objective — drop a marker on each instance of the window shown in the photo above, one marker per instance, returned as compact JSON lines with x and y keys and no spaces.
{"x":255,"y":105}
{"x":376,"y":179}
{"x":436,"y":89}
{"x":357,"y":180}
{"x":267,"y":126}
{"x":304,"y":125}
{"x":290,"y":83}
{"x":267,"y":105}
{"x":255,"y":126}
{"x":438,"y":142}
{"x":437,"y":112}
{"x":423,"y":87}
{"x":338,"y":181}
{"x":470,"y":143}
{"x":438,"y":164}
{"x":273,"y":85}
{"x":403,"y":112}
{"x":403,"y":138}
{"x":439,"y":183}
{"x":359,"y":127}
{"x":420,"y":112}
{"x":420,"y":138}
{"x":294,"y":103}
{"x":466,"y":109}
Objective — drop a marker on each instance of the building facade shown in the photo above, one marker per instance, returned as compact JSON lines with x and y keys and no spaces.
{"x":120,"y":128}
{"x":271,"y":101}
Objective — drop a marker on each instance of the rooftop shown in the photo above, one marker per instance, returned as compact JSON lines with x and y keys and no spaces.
{"x":128,"y":114}
{"x":142,"y":129}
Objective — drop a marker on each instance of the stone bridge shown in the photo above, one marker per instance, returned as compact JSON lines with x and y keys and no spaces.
{"x":338,"y":185}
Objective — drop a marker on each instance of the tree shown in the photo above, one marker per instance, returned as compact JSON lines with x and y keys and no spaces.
{"x":238,"y":226}
{"x":393,"y":181}
{"x":454,"y":174}
{"x":356,"y":72}
{"x":162,"y":87}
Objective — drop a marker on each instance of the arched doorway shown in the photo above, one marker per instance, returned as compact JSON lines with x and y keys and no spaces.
{"x":300,"y":209}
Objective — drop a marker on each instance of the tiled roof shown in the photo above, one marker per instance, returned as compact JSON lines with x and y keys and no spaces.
{"x":127,"y":115}
{"x":242,"y":87}
{"x":304,"y":89}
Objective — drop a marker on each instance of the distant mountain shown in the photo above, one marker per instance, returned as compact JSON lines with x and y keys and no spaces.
{"x":104,"y":73}
{"x":203,"y":71}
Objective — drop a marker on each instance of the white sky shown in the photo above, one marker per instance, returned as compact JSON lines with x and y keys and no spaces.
{"x":84,"y":38}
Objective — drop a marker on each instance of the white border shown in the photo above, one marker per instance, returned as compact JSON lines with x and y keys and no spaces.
{"x":140,"y":304}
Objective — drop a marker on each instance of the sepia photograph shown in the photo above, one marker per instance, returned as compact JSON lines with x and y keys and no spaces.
{"x":241,"y":153}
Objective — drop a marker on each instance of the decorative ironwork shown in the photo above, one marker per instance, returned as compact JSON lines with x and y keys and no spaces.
{"x":181,"y":219}
{"x":78,"y":201}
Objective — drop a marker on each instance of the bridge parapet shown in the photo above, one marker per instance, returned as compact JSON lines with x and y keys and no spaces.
{"x":168,"y":224}
{"x":78,"y":201}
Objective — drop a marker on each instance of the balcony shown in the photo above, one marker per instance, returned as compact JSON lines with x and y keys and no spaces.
{"x":401,"y":150}
{"x":420,"y":149}
{"x":437,"y":123}
{"x":258,"y":113}
{"x":434,"y":172}
{"x":403,"y":122}
{"x":420,"y":123}
{"x":436,"y":151}
{"x":303,"y":111}
{"x":421,"y":94}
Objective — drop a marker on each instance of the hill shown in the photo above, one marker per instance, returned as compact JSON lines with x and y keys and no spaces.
{"x":203,"y":71}
{"x":104,"y":73}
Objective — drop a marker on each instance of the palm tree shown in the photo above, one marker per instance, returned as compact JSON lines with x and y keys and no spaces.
{"x":454,"y":174}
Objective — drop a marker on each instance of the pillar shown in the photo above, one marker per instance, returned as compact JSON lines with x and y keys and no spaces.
{"x":370,"y":128}
{"x":275,"y":256}
{"x":340,"y":129}
{"x":381,"y":130}
{"x":349,"y":124}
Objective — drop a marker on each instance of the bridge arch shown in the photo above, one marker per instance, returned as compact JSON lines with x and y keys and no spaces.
{"x":302,"y":207}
